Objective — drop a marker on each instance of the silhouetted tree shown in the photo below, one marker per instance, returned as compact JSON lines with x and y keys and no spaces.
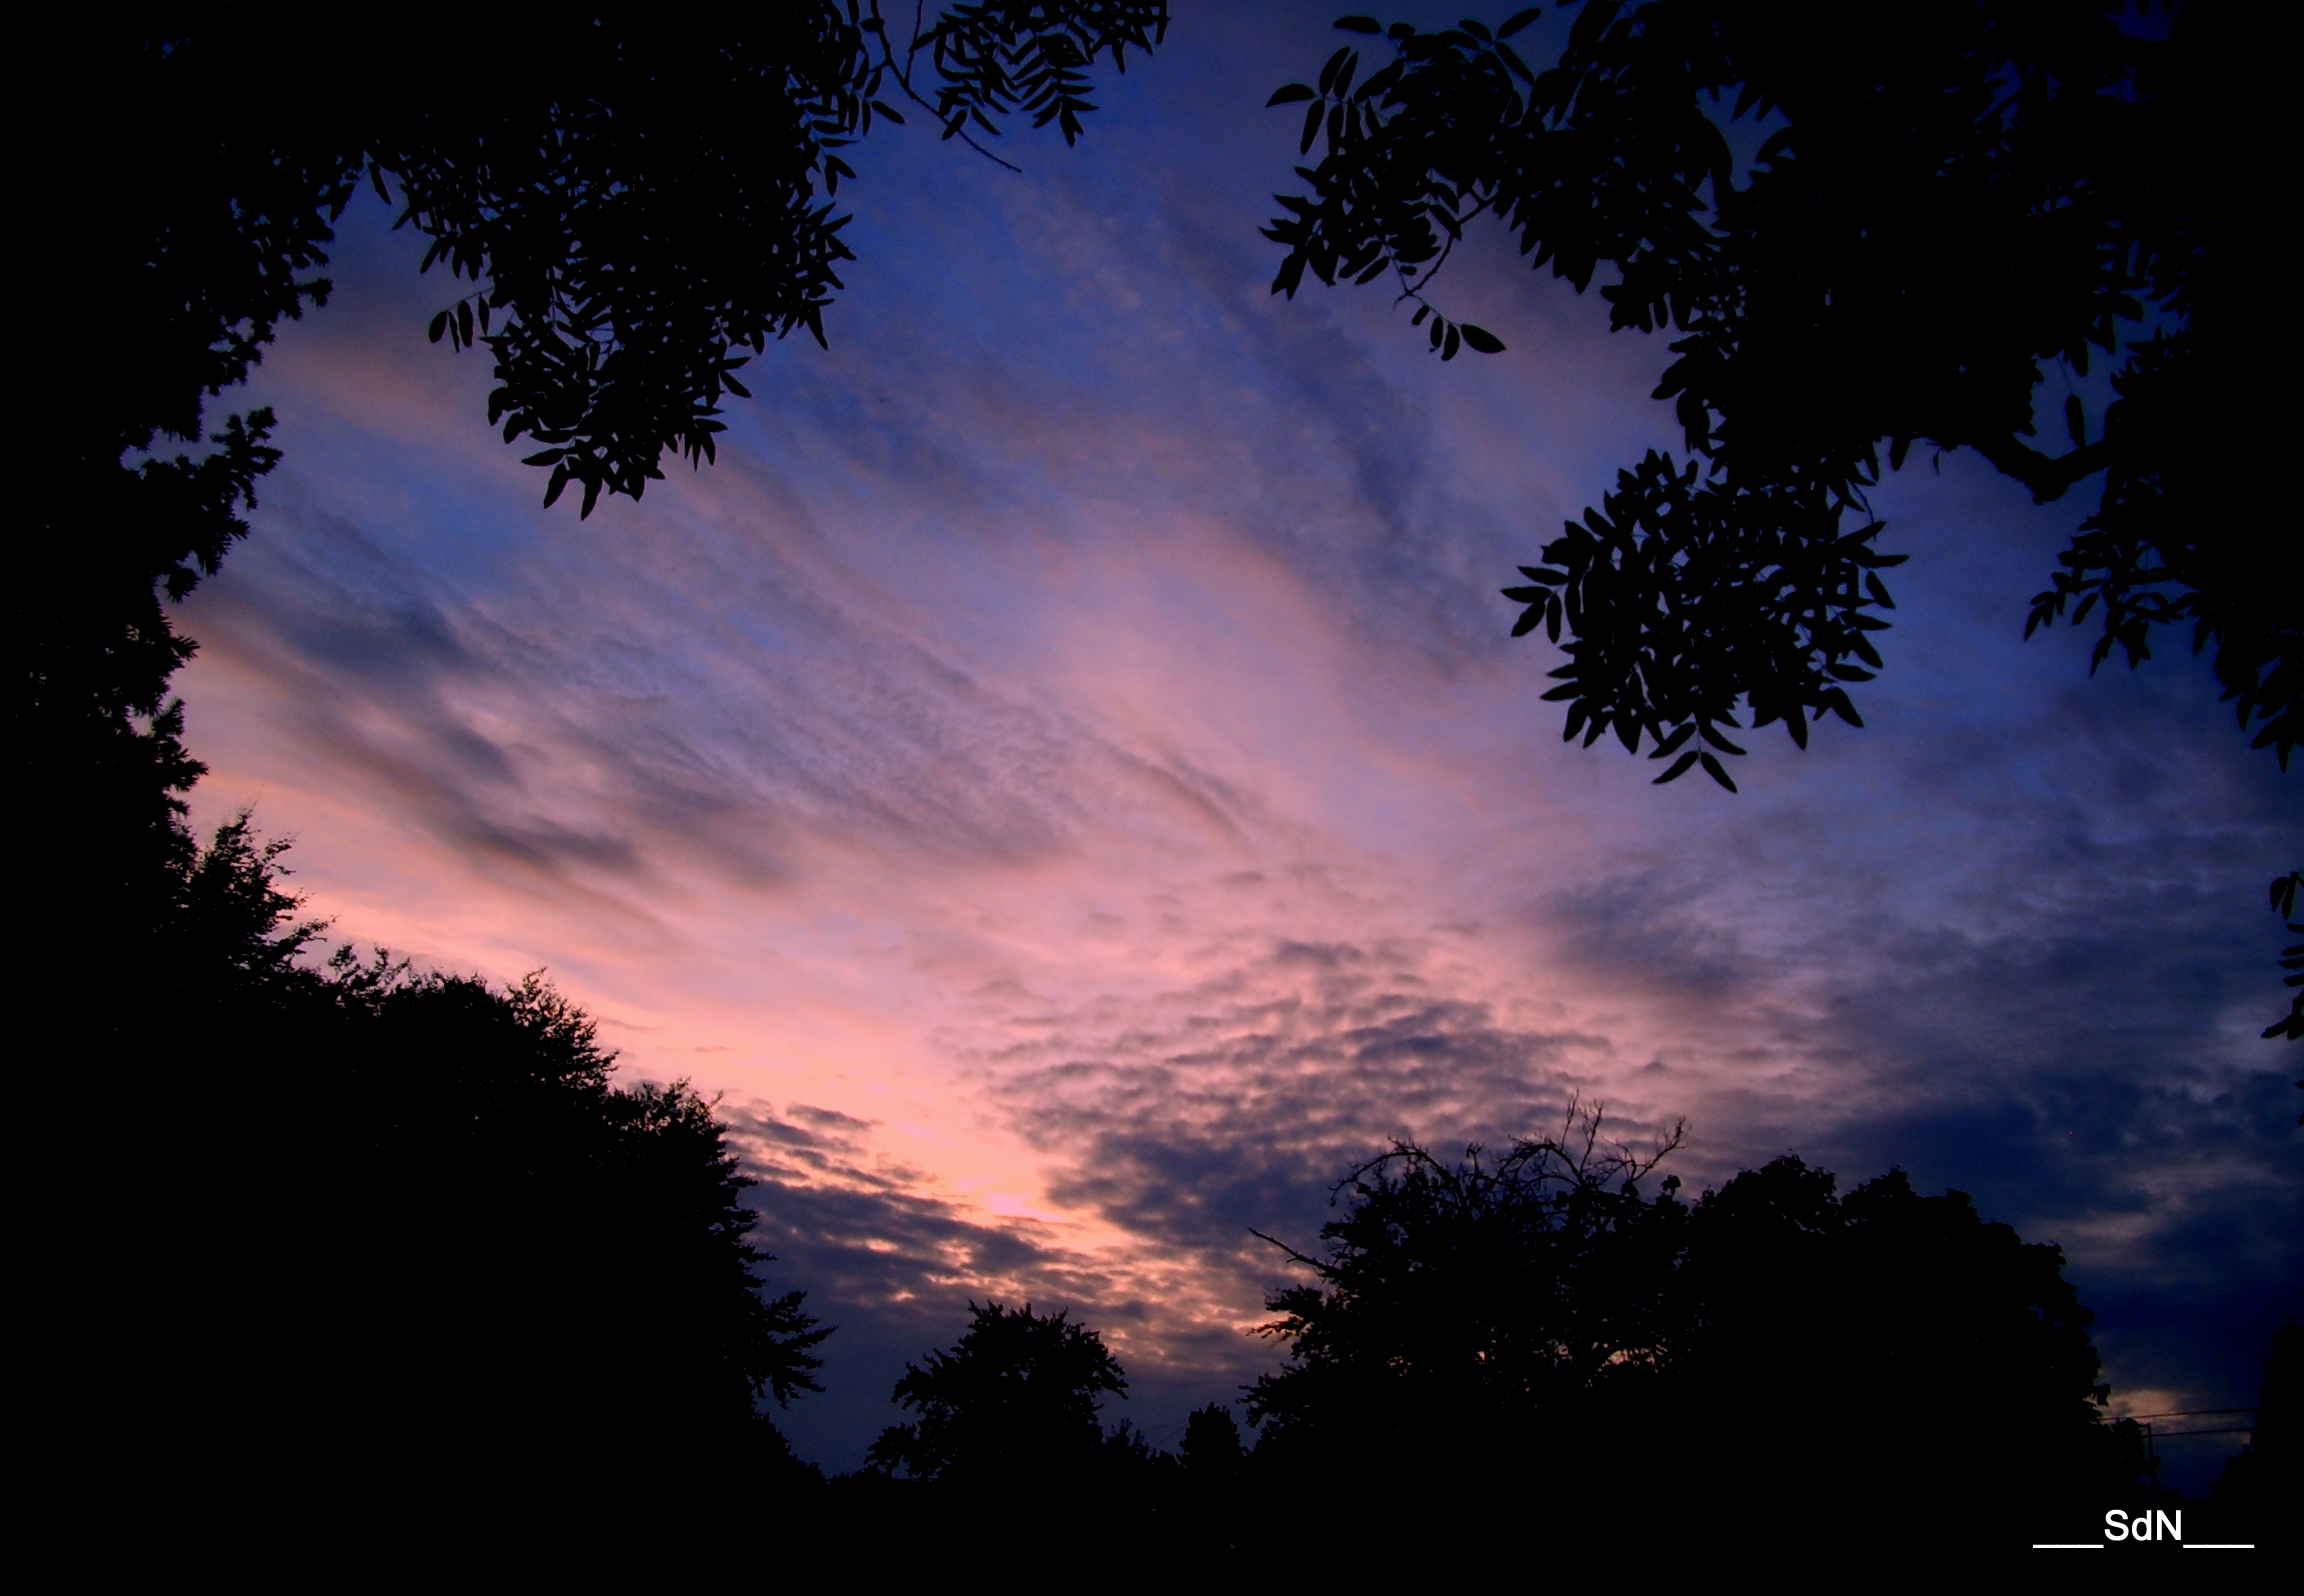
{"x":1936,"y":202}
{"x":1460,"y":1304}
{"x":1856,"y":1359}
{"x":1536,"y":1344}
{"x":409,"y":1243}
{"x":1006,"y":1449}
{"x":1211,"y":1448}
{"x":1210,"y":1502}
{"x":562,"y":1265}
{"x":2263,"y":1487}
{"x":1013,"y":1402}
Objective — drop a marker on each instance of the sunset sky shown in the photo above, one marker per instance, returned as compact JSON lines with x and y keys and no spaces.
{"x":1065,"y":778}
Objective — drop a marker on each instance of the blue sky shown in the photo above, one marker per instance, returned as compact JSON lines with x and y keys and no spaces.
{"x":1064,"y":777}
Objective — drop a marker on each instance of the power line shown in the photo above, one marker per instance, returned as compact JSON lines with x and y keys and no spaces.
{"x":2229,"y":1429}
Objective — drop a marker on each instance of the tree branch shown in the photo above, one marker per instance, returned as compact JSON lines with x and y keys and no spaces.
{"x":1309,"y":1263}
{"x":903,"y":76}
{"x":2046,"y":475}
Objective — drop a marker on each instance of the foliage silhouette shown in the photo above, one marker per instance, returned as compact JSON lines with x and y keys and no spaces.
{"x":2284,"y":891}
{"x":1006,"y":1448}
{"x":1458,"y":1302}
{"x":2291,"y":1024}
{"x":1904,"y":1350}
{"x":1531,"y":1337}
{"x":1210,"y":1506}
{"x":1533,"y":1349}
{"x":1211,"y":1449}
{"x":1013,"y":1401}
{"x":567,"y":1261}
{"x":419,"y":1244}
{"x":2264,"y":1485}
{"x":1938,"y":203}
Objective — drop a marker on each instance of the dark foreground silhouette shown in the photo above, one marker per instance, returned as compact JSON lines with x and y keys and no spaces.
{"x":411,"y":1264}
{"x":427,"y":1281}
{"x":627,"y":213}
{"x":1528,"y":1357}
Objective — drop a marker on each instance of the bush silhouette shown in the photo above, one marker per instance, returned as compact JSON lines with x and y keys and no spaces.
{"x":1534,"y":1343}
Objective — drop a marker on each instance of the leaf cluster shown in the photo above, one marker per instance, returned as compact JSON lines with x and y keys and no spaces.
{"x":2176,"y":541}
{"x":997,"y":57}
{"x":655,"y":204}
{"x":2291,"y":1025}
{"x":639,"y":210}
{"x":1937,"y":206}
{"x":1679,"y":601}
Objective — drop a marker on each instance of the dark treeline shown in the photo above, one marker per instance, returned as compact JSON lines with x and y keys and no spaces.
{"x":1530,"y":1352}
{"x":414,"y":1254}
{"x":422,"y":1268}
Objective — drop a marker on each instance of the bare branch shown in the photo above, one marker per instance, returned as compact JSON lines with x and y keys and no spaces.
{"x":1309,"y":1263}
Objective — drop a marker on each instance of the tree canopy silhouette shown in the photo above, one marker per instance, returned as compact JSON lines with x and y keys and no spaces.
{"x":1535,"y":1333}
{"x":1457,"y":1302}
{"x":2263,"y":1485}
{"x":1935,"y":205}
{"x":1014,"y":1401}
{"x":416,"y":1238}
{"x":562,"y":1263}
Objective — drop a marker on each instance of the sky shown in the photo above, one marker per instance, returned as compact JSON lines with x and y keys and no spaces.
{"x":1064,"y":780}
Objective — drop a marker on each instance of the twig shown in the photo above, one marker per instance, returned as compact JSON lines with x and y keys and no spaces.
{"x":1309,"y":1263}
{"x":903,"y":75}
